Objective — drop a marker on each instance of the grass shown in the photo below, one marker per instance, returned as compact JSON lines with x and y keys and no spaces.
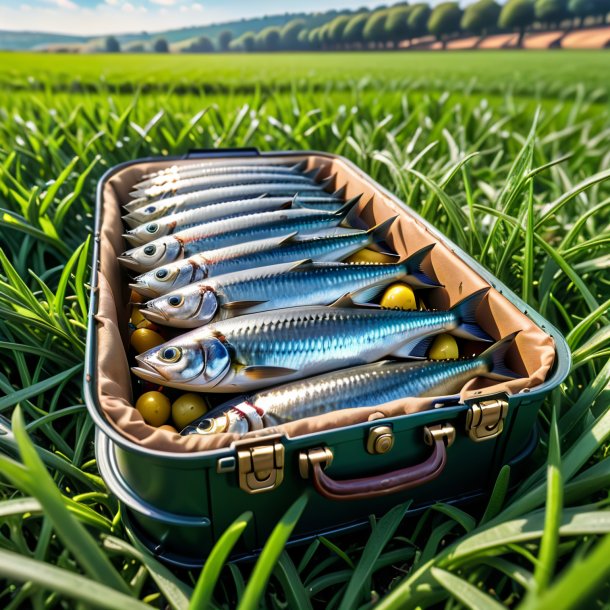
{"x":521,"y":182}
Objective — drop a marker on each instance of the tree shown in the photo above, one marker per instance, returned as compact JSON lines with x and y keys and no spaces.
{"x":313,"y":38}
{"x":160,"y":46}
{"x":336,"y":29}
{"x":375,"y":27}
{"x":397,"y":24}
{"x":481,"y":17}
{"x":551,"y":11}
{"x":353,"y":32}
{"x":517,"y":14}
{"x":289,"y":34}
{"x":303,"y":39}
{"x":202,"y":44}
{"x":111,"y":45}
{"x":418,"y":20}
{"x":587,"y":8}
{"x":224,"y":40}
{"x":248,"y":41}
{"x":268,"y":39}
{"x":445,"y":20}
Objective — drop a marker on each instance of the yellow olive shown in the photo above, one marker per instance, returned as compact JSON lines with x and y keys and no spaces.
{"x":154,"y":408}
{"x":369,"y":256}
{"x":444,"y":347}
{"x":144,"y":339}
{"x":168,"y":428}
{"x":399,"y":295}
{"x":135,"y":297}
{"x":188,"y":408}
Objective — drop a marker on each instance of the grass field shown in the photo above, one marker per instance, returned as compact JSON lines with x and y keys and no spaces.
{"x":511,"y":161}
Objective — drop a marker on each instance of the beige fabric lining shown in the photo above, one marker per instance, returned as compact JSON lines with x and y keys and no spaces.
{"x":532,"y":355}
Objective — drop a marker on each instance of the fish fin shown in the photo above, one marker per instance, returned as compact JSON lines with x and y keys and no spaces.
{"x":300,"y":166}
{"x":379,"y":233}
{"x":465,"y":313}
{"x":414,"y":270}
{"x":241,"y":304}
{"x":328,"y":182}
{"x":312,"y":173}
{"x":285,"y":239}
{"x":414,"y":349}
{"x":347,"y":301}
{"x":266,"y":372}
{"x":344,"y":211}
{"x":494,"y":358}
{"x":287,"y":205}
{"x":343,"y":301}
{"x":340,"y":192}
{"x":360,"y":297}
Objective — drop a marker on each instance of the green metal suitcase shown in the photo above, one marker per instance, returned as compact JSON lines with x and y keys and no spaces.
{"x":178,"y":504}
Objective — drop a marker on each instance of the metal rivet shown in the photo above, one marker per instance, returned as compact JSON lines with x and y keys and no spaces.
{"x":380,"y":440}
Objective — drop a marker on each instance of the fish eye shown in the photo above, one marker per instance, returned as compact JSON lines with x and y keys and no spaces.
{"x":152,"y":228}
{"x":162,"y":274}
{"x":150,"y":209}
{"x":171,"y":354}
{"x":175,"y":300}
{"x":150,"y":250}
{"x":205,"y":425}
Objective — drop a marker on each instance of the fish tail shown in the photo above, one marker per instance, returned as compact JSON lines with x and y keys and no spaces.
{"x":465,"y":315}
{"x":413,"y":268}
{"x":494,"y":359}
{"x":347,"y":212}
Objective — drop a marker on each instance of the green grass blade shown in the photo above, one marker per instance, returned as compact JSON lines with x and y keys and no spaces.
{"x":83,"y":590}
{"x":468,"y":594}
{"x":72,"y":533}
{"x":270,"y":554}
{"x":290,"y":581}
{"x":204,"y":589}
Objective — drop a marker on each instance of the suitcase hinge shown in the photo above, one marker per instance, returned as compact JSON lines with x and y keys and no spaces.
{"x":485,"y":420}
{"x":260,"y":467}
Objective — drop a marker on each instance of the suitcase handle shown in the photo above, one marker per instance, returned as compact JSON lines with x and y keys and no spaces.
{"x":439,"y":437}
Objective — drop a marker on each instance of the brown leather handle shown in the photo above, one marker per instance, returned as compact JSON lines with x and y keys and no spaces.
{"x":384,"y":484}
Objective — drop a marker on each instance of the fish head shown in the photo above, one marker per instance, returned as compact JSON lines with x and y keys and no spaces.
{"x":232,"y":421}
{"x":146,"y":213}
{"x":192,"y":306}
{"x":154,"y":254}
{"x":144,"y":233}
{"x":201,"y":362}
{"x":169,"y":277}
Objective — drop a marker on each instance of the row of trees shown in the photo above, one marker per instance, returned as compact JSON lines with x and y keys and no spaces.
{"x":392,"y":25}
{"x":385,"y":26}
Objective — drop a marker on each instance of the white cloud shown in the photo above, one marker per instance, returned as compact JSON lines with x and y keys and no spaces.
{"x":66,"y":4}
{"x":128,"y":7}
{"x":164,"y":2}
{"x":197,"y":7}
{"x":112,"y":2}
{"x":25,"y":7}
{"x":184,"y":9}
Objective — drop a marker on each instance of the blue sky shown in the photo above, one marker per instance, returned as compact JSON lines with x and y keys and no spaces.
{"x":120,"y":16}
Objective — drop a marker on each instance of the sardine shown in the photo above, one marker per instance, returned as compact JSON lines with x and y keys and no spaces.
{"x":199,"y":183}
{"x":262,"y":349}
{"x":231,"y":231}
{"x":281,"y":285}
{"x":179,"y":203}
{"x":212,"y":168}
{"x":259,"y":253}
{"x":180,"y":172}
{"x":361,"y":386}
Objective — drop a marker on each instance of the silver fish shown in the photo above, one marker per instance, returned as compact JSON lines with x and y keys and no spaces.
{"x":230,"y":231}
{"x":189,"y":185}
{"x":262,"y":349}
{"x":180,"y":221}
{"x":259,"y":253}
{"x":179,"y":203}
{"x":361,"y":386}
{"x":279,"y":286}
{"x":178,"y":172}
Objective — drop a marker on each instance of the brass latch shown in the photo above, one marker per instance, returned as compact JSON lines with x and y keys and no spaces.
{"x":260,"y":467}
{"x":485,"y":420}
{"x":319,"y":455}
{"x":444,"y":432}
